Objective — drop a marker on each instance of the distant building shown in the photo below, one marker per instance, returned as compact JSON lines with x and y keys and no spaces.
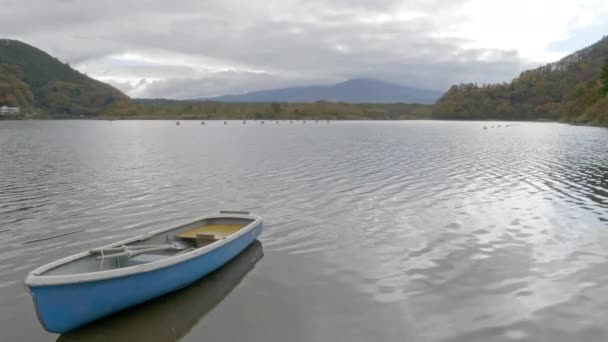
{"x":4,"y":110}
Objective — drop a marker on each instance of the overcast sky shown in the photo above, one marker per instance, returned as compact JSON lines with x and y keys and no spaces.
{"x":199,"y":48}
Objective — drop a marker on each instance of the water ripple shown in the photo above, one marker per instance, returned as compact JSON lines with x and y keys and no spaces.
{"x":463,"y":234}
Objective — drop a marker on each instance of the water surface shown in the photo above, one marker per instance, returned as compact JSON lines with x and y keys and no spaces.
{"x":375,"y":231}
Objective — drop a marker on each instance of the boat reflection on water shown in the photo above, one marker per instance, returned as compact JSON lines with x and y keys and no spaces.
{"x":171,"y":317}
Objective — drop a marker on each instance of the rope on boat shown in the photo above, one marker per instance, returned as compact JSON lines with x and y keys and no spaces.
{"x":123,"y":248}
{"x":102,"y":257}
{"x":131,"y":252}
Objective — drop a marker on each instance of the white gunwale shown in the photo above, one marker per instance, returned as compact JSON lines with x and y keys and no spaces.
{"x":34,"y":278}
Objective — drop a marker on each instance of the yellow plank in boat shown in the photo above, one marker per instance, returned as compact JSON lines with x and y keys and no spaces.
{"x":219,"y":230}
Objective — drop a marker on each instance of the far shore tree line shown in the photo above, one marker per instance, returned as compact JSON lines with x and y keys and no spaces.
{"x":322,"y":110}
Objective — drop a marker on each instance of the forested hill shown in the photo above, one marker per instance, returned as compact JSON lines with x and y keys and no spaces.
{"x":571,"y":89}
{"x":31,"y":78}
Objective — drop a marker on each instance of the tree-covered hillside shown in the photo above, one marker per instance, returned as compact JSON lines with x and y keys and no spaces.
{"x":14,"y":92}
{"x":570,"y":90}
{"x":30,"y":77}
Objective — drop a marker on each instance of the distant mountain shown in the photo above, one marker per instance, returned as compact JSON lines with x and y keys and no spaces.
{"x":360,"y":90}
{"x":572,"y":89}
{"x":29,"y":77}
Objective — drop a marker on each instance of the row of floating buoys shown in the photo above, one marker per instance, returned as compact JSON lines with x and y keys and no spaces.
{"x":499,"y":126}
{"x":177,"y":123}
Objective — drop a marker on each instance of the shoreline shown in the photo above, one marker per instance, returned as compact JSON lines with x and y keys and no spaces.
{"x":288,"y":119}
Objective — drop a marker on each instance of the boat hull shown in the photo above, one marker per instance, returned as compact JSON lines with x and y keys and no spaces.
{"x":64,"y":307}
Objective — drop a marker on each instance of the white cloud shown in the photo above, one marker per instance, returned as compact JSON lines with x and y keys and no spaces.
{"x":526,"y":26}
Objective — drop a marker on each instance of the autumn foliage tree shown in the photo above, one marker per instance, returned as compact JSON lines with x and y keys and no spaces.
{"x":604,"y":77}
{"x":13,"y":90}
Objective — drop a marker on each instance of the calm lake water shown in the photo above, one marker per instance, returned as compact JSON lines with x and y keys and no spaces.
{"x":374,"y":231}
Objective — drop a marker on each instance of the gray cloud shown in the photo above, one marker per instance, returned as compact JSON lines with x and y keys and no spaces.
{"x":194,"y":49}
{"x":217,"y":84}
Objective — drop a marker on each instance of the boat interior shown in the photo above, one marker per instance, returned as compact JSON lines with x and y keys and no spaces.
{"x":153,"y":248}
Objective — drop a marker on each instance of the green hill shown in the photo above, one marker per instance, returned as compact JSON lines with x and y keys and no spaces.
{"x":31,"y":78}
{"x":569,"y":90}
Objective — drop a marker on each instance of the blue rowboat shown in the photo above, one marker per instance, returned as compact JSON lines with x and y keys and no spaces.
{"x":84,"y":287}
{"x":171,"y":317}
